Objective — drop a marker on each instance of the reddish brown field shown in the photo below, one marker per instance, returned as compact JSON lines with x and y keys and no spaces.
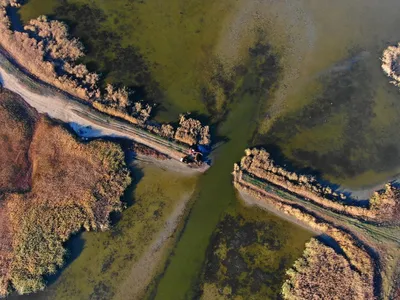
{"x":52,"y":186}
{"x":17,"y":121}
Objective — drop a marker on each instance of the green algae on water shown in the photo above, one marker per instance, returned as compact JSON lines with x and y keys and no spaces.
{"x":163,"y":49}
{"x":249,"y":253}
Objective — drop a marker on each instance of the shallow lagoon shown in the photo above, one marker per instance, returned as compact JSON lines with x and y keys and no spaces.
{"x":326,"y":106}
{"x":334,"y":110}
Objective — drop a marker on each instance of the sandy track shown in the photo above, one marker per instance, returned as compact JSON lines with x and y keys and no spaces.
{"x":86,"y":121}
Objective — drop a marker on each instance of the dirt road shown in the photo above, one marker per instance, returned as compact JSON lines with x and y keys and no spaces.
{"x":86,"y":121}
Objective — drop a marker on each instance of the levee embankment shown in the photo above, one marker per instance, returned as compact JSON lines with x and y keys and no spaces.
{"x":351,"y":230}
{"x":66,"y":108}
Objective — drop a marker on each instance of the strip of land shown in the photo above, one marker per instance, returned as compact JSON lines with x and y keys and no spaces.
{"x":367,"y":236}
{"x":59,"y":105}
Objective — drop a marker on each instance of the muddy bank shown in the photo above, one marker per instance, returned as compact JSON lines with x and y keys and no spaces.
{"x":250,"y":200}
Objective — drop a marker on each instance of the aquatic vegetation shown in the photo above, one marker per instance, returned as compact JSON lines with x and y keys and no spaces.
{"x":104,"y":263}
{"x":323,"y":273}
{"x":248,"y":255}
{"x":191,"y":132}
{"x":44,"y":48}
{"x":73,"y":186}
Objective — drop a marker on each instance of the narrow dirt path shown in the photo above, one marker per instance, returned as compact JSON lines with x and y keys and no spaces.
{"x":86,"y":121}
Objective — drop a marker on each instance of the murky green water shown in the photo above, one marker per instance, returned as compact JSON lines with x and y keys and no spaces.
{"x":318,"y":96}
{"x":335,"y":110}
{"x":248,"y":255}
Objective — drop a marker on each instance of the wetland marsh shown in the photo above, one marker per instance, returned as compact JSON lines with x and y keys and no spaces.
{"x":300,"y":77}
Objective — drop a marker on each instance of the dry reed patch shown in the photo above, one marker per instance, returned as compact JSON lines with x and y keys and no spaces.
{"x":391,"y":63}
{"x":17,"y":122}
{"x":324,"y":274}
{"x":74,"y":186}
{"x":6,"y":249}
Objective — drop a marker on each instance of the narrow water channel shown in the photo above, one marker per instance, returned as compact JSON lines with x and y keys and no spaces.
{"x":215,"y":193}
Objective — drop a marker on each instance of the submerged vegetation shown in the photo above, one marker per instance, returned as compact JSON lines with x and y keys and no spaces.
{"x":73,"y":186}
{"x":248,"y":254}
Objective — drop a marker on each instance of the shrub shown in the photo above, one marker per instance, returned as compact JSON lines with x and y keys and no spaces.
{"x":323,"y":274}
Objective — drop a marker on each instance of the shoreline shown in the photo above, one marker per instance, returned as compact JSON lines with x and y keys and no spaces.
{"x":79,"y":116}
{"x":251,"y":201}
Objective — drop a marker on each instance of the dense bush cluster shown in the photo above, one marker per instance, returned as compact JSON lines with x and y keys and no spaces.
{"x":386,"y":202}
{"x":391,"y":63}
{"x":74,"y":186}
{"x":324,"y":274}
{"x":190,"y":131}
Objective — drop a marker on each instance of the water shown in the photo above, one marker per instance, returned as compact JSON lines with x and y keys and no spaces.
{"x":165,"y":48}
{"x":335,"y":111}
{"x":317,"y":96}
{"x":100,"y":262}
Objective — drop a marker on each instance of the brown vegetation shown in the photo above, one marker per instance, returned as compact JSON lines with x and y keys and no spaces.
{"x":258,"y":163}
{"x":391,"y":63}
{"x":46,"y":50}
{"x":324,"y":274}
{"x":74,"y":186}
{"x":16,"y":130}
{"x":190,"y":131}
